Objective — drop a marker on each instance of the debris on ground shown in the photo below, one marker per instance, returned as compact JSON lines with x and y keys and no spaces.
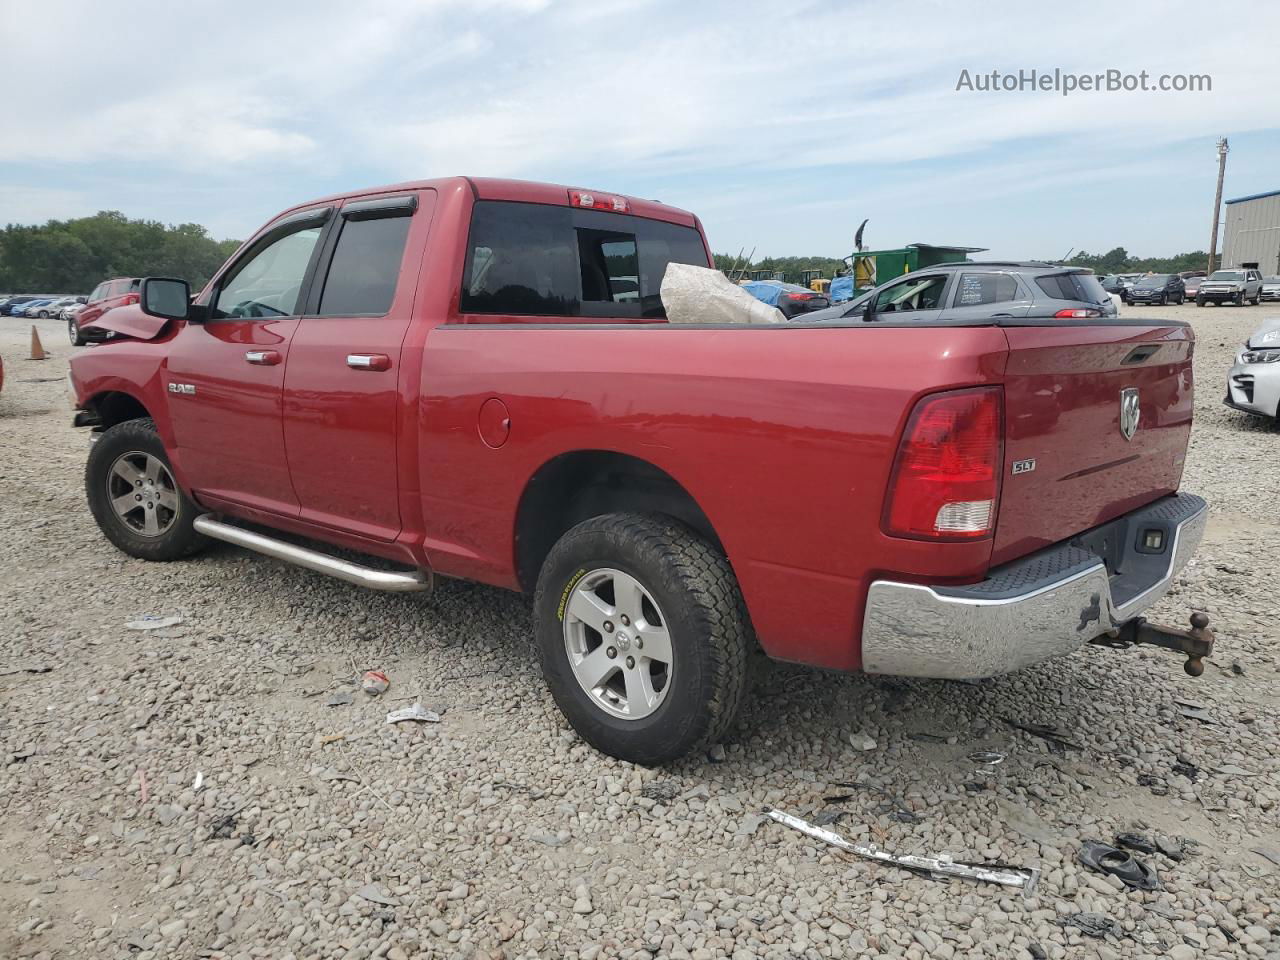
{"x":1268,"y":853}
{"x":153,"y":623}
{"x":862,"y":741}
{"x":987,"y":758}
{"x":374,"y":893}
{"x":414,"y":711}
{"x":891,"y":806}
{"x":1091,"y":924}
{"x":199,"y":782}
{"x":1157,"y":785}
{"x":1135,"y":841}
{"x":660,"y":791}
{"x":1172,"y":848}
{"x":1120,"y":864}
{"x":27,"y":668}
{"x":1185,"y":768}
{"x":223,"y":828}
{"x":375,"y":683}
{"x":1057,"y":742}
{"x":339,"y":698}
{"x":1194,"y":711}
{"x":933,"y":867}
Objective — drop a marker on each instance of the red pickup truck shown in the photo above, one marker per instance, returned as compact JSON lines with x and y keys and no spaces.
{"x":476,"y":378}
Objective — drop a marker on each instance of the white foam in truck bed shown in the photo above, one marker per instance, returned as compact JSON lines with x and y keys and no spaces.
{"x":699,"y":295}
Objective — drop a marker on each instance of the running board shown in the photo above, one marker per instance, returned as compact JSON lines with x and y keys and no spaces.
{"x":387,"y":580}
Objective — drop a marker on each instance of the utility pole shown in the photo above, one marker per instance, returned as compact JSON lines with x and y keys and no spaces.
{"x":1217,"y":202}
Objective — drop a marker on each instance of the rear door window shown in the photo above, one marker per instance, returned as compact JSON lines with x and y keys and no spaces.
{"x":1083,"y":287}
{"x":528,"y":259}
{"x":979,"y":289}
{"x":365,"y":267}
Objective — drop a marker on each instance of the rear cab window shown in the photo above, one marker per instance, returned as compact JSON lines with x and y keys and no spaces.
{"x":530,"y":259}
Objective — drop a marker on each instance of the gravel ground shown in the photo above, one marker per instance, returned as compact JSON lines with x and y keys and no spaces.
{"x":189,"y":792}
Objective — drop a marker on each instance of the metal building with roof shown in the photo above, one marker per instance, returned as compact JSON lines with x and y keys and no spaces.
{"x":1253,"y":232}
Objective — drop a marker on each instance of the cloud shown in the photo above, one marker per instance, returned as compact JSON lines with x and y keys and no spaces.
{"x":712,"y":103}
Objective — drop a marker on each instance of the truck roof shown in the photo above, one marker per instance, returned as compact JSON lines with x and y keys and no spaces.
{"x":520,"y":191}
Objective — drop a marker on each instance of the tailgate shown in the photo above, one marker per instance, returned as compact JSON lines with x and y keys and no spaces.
{"x":1065,"y":388}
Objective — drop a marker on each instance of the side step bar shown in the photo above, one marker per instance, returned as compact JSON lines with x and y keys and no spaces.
{"x":388,"y":580}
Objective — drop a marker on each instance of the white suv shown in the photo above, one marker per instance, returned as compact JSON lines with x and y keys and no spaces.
{"x":1240,"y":285}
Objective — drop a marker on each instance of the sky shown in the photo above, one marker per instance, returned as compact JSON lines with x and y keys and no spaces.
{"x":781,"y":124}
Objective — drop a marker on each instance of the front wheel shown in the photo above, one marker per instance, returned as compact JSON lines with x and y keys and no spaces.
{"x":1163,"y":299}
{"x":43,"y":314}
{"x":1199,"y":301}
{"x":133,"y":495}
{"x":643,"y":636}
{"x":74,"y":335}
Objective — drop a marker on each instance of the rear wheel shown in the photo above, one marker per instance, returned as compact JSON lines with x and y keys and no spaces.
{"x":74,"y":335}
{"x":134,"y":497}
{"x":643,"y":636}
{"x":43,"y":314}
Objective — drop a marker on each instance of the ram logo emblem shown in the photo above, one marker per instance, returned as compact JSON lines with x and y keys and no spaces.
{"x":1130,"y":412}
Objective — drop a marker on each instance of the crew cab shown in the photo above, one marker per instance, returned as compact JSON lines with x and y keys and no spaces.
{"x":476,"y":379}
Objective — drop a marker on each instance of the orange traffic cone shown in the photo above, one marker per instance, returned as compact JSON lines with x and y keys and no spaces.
{"x":37,"y":350}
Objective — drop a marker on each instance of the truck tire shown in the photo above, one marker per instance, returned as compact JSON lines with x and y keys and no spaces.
{"x":134,"y":498}
{"x":74,"y":335}
{"x":1199,"y":301}
{"x":643,"y":636}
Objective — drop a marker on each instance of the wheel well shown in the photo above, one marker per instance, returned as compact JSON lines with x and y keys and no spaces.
{"x":588,"y":483}
{"x":115,"y":407}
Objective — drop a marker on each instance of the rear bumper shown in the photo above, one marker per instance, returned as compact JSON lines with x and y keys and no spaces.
{"x":1045,"y":605}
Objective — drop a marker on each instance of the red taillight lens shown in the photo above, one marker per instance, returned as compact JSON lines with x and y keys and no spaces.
{"x":946,"y":479}
{"x":1078,"y":314}
{"x":798,"y":296}
{"x":131,"y":298}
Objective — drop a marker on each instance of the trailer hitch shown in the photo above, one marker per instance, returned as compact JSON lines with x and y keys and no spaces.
{"x":1196,"y":643}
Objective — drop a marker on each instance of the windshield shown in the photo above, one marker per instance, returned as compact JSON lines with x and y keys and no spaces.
{"x":1158,"y":281}
{"x":1227,"y":275}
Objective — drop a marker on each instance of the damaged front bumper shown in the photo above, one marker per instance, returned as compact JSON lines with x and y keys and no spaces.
{"x":1045,"y":605}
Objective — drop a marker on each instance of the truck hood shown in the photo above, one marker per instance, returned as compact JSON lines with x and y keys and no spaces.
{"x":130,"y":321}
{"x":1267,"y":335}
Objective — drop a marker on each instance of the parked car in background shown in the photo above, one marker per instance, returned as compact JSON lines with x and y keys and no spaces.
{"x":980,"y":291}
{"x":17,"y":306}
{"x":405,"y":373}
{"x":1239,"y":286}
{"x":1127,"y":280}
{"x":119,"y":292}
{"x":1191,"y":285}
{"x":1253,"y":383}
{"x":791,"y":298}
{"x":1161,"y":288}
{"x":71,"y":309}
{"x":29,"y":308}
{"x":1112,"y":283}
{"x":1270,"y":288}
{"x":50,"y":308}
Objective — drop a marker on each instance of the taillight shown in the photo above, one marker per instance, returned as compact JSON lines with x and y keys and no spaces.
{"x":798,"y":296}
{"x":945,"y":483}
{"x":599,"y":201}
{"x":131,"y":298}
{"x":1078,"y":314}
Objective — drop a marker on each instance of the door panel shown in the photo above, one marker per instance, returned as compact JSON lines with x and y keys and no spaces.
{"x":342,"y":385}
{"x":226,"y":373}
{"x":228,"y":431}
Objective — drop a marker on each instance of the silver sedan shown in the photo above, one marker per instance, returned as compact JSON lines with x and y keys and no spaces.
{"x":1253,"y":385}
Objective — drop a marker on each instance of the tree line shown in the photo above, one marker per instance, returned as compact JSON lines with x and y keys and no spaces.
{"x":74,"y":256}
{"x":1116,"y":260}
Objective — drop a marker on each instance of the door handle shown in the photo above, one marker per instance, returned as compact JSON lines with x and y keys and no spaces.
{"x":368,"y":361}
{"x":263,"y":358}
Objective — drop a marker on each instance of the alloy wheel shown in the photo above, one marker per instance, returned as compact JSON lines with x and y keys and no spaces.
{"x":617,"y":644}
{"x":142,"y":494}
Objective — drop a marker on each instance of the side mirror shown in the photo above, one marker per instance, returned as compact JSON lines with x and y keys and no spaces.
{"x":82,"y":299}
{"x":869,"y":309}
{"x":166,"y":297}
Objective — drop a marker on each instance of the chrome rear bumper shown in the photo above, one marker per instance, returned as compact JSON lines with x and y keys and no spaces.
{"x":1046,"y":605}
